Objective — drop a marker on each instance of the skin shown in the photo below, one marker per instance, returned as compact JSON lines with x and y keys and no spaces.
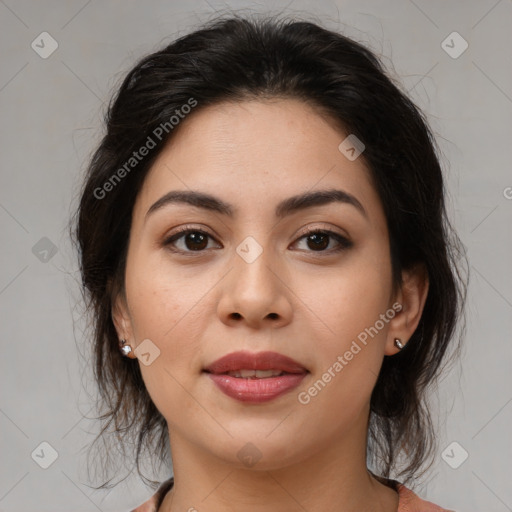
{"x":296,"y":299}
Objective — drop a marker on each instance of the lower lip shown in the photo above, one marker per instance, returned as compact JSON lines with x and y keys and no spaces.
{"x":256,"y":390}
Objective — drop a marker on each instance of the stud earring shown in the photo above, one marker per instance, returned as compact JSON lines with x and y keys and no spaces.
{"x":124,"y":348}
{"x":398,"y":344}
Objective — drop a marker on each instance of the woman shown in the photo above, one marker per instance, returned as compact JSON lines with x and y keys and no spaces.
{"x":263,"y":237}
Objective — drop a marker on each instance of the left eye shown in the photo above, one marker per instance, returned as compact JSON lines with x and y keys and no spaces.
{"x":196,"y":240}
{"x":319,"y":240}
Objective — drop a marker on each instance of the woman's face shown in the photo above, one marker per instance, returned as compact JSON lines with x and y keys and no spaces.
{"x":252,"y":279}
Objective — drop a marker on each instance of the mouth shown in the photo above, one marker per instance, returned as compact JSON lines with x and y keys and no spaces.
{"x":255,"y":377}
{"x":255,"y":374}
{"x":247,"y":364}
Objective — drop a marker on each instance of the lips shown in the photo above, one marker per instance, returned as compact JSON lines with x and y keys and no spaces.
{"x":256,"y":378}
{"x":237,"y":361}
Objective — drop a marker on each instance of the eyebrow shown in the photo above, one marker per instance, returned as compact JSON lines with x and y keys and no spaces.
{"x":284,"y":208}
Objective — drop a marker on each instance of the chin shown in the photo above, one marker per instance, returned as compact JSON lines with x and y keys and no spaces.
{"x":261,"y":451}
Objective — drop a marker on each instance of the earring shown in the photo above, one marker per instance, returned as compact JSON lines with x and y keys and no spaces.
{"x":125,"y":349}
{"x":398,"y":344}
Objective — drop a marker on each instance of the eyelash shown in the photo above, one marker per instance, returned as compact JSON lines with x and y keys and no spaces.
{"x":344,"y":243}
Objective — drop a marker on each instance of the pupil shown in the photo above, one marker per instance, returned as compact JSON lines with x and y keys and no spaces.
{"x":315,"y":238}
{"x":196,"y":238}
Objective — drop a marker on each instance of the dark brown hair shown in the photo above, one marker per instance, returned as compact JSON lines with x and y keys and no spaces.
{"x":235,"y":59}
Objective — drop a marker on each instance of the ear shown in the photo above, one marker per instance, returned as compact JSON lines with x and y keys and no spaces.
{"x":121,"y":319}
{"x":412,"y":296}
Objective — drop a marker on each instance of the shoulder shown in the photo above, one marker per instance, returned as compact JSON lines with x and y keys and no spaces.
{"x":155,"y":501}
{"x":410,"y":502}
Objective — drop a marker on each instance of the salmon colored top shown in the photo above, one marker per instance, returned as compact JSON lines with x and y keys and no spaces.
{"x":408,"y":501}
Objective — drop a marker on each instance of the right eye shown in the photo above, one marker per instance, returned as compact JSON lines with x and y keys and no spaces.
{"x":193,"y":240}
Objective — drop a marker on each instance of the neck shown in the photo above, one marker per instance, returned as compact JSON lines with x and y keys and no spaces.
{"x":332,"y":478}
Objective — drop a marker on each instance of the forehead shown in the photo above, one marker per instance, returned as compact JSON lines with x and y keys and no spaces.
{"x":256,"y":153}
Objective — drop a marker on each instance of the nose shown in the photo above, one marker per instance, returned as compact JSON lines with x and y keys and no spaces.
{"x":256,"y":293}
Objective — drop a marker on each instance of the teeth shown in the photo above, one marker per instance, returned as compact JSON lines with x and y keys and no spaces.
{"x":259,"y":374}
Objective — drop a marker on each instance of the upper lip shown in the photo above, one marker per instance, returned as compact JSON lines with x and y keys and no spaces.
{"x":244,"y":360}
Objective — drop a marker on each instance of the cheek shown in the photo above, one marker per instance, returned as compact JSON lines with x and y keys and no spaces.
{"x":349,"y":353}
{"x":166,"y":309}
{"x":165,"y":306}
{"x":348,"y":300}
{"x":348,"y":305}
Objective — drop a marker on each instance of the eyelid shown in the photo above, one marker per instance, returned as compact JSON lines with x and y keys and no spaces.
{"x":324,"y":227}
{"x":191,"y":227}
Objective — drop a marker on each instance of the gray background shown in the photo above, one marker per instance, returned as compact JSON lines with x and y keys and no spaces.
{"x":51,"y":120}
